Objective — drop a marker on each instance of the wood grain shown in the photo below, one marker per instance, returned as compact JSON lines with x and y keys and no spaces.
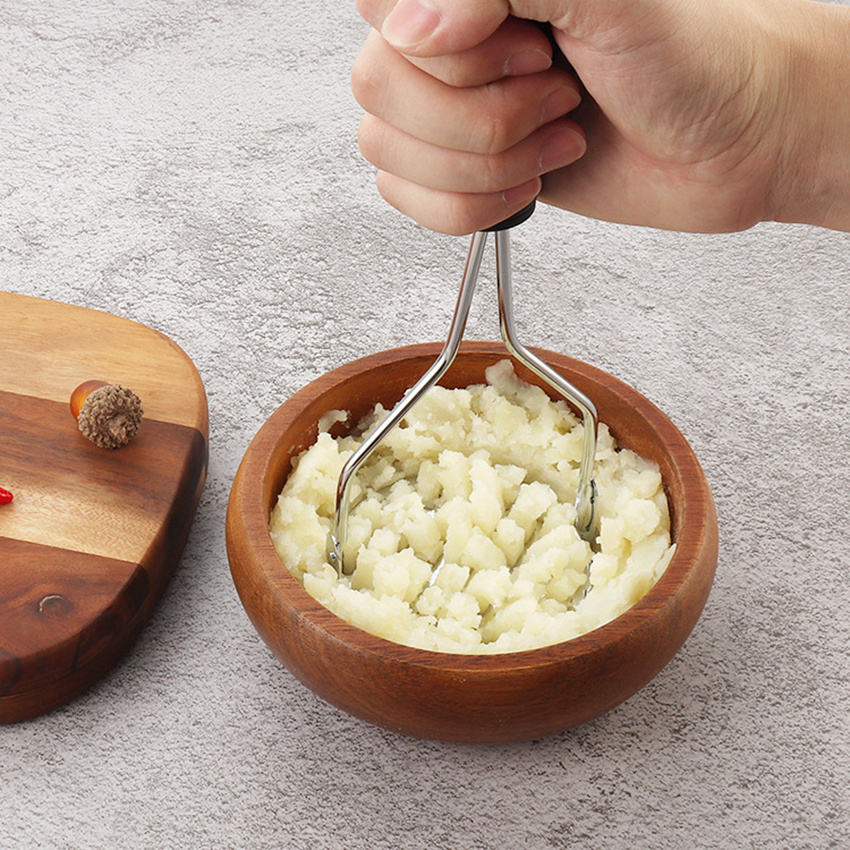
{"x":52,"y":347}
{"x":470,"y":699}
{"x":90,"y":541}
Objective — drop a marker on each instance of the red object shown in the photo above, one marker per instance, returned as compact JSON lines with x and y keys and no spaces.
{"x":5,"y":497}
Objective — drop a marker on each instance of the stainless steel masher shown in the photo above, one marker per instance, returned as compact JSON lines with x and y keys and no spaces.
{"x":585,"y":522}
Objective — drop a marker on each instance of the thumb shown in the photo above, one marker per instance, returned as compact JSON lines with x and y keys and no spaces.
{"x":440,"y":27}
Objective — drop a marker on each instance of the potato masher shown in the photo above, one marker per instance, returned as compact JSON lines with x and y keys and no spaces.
{"x":585,"y":522}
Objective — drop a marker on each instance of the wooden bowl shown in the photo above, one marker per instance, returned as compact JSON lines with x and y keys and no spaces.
{"x":463,"y":698}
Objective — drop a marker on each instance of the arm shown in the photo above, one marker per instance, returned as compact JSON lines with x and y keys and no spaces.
{"x":813,"y":186}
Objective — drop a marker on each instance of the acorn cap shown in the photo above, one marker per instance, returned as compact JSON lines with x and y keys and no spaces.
{"x":110,"y":416}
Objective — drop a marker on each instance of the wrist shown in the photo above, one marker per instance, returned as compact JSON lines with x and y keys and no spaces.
{"x":812,"y":178}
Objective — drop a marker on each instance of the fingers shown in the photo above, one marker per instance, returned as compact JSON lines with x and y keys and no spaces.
{"x":485,"y":119}
{"x":456,"y":192}
{"x":465,"y":110}
{"x":454,"y":213}
{"x":515,"y":48}
{"x":434,"y":27}
{"x":552,"y":146}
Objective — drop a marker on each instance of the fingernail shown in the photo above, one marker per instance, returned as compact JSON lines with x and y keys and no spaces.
{"x":561,"y":148}
{"x":527,"y":62}
{"x":410,"y":22}
{"x":558,"y":103}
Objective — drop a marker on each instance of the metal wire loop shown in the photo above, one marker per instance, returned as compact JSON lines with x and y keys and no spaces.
{"x":586,"y":496}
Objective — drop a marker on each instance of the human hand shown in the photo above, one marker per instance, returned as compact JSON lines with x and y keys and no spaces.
{"x":690,"y":115}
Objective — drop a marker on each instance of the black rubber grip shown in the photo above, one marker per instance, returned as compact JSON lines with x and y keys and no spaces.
{"x":517,"y":218}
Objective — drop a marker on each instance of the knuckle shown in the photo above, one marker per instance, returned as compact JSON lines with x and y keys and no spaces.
{"x":461,"y":217}
{"x":496,"y":127}
{"x":367,"y":83}
{"x":368,"y":140}
{"x":489,"y":133}
{"x":377,"y":143}
{"x":493,"y":173}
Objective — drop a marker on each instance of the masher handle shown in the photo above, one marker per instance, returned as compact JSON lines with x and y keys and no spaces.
{"x":512,"y":221}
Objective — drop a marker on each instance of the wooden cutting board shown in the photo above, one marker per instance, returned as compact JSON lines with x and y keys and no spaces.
{"x":93,"y":535}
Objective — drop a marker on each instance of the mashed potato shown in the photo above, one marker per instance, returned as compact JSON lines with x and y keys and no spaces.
{"x":461,"y":535}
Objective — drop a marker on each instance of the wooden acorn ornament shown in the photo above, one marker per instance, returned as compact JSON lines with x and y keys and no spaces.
{"x":107,"y":414}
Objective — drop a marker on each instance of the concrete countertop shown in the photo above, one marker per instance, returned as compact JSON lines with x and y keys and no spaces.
{"x":193,"y":166}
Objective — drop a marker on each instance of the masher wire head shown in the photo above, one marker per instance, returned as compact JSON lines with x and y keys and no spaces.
{"x":585,"y":504}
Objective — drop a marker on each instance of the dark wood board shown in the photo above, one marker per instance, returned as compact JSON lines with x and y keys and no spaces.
{"x":93,"y":535}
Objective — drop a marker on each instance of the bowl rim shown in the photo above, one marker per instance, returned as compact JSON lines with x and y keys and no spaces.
{"x":695,"y":521}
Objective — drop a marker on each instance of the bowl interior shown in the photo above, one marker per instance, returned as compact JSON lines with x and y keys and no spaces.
{"x":357,"y":386}
{"x":631,"y":418}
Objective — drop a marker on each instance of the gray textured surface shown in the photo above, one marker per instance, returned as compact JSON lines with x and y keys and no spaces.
{"x":193,"y":166}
